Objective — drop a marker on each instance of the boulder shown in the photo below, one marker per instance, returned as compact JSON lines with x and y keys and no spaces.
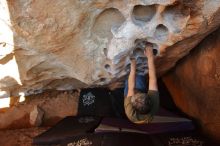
{"x":36,"y":116}
{"x":195,"y":83}
{"x":71,"y":44}
{"x":44,"y":109}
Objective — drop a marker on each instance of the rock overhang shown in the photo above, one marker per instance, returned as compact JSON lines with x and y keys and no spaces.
{"x":73,"y":44}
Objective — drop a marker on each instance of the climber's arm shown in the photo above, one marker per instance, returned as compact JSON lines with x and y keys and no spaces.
{"x":151,"y":68}
{"x":129,"y":110}
{"x":131,"y":79}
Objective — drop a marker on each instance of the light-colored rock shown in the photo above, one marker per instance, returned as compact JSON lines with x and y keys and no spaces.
{"x":4,"y":94}
{"x":36,"y":116}
{"x":77,"y":43}
{"x":195,"y":83}
{"x":55,"y":104}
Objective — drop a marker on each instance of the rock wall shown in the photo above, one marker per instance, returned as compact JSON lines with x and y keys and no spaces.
{"x":78,"y":43}
{"x":195,"y":83}
{"x":44,"y":109}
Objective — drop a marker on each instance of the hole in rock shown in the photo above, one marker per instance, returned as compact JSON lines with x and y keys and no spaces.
{"x":102,"y":79}
{"x":105,"y":50}
{"x":137,"y":41}
{"x":140,"y":43}
{"x":144,"y":13}
{"x":161,"y":32}
{"x":140,"y":46}
{"x":155,"y":51}
{"x":106,"y":20}
{"x":138,"y":52}
{"x":176,"y":17}
{"x":127,"y":67}
{"x":107,"y":67}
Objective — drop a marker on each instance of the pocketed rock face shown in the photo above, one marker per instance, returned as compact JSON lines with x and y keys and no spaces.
{"x":78,"y":43}
{"x":195,"y":83}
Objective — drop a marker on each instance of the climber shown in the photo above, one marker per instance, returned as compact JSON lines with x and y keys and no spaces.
{"x":131,"y":101}
{"x":141,"y":103}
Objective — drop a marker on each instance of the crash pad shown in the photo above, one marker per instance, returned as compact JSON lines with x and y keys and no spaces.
{"x":67,"y":127}
{"x":190,"y":138}
{"x":163,"y":122}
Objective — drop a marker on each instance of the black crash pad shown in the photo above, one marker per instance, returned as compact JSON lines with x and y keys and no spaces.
{"x":189,"y":138}
{"x":68,"y":127}
{"x":163,"y":122}
{"x":109,"y":139}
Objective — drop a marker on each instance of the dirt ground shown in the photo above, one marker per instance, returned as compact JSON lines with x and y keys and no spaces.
{"x":19,"y":137}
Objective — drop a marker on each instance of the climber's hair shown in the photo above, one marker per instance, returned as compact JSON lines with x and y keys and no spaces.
{"x":141,"y":102}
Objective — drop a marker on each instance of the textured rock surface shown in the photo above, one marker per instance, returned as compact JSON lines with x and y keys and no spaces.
{"x":76,"y":43}
{"x":55,"y":104}
{"x":36,"y":116}
{"x":195,"y":84}
{"x":20,"y":137}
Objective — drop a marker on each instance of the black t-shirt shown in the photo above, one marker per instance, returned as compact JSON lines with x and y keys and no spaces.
{"x":101,"y":102}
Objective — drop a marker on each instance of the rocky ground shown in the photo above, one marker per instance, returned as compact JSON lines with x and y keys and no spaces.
{"x":19,"y":137}
{"x":55,"y":105}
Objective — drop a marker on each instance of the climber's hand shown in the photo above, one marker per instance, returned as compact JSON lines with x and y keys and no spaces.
{"x":133,"y":63}
{"x":149,"y":51}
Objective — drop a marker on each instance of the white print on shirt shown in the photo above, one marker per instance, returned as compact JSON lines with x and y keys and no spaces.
{"x":88,"y":99}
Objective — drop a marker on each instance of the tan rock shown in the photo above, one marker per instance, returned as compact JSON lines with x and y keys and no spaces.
{"x":195,"y":83}
{"x":71,"y":44}
{"x":36,"y":116}
{"x":55,"y":104}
